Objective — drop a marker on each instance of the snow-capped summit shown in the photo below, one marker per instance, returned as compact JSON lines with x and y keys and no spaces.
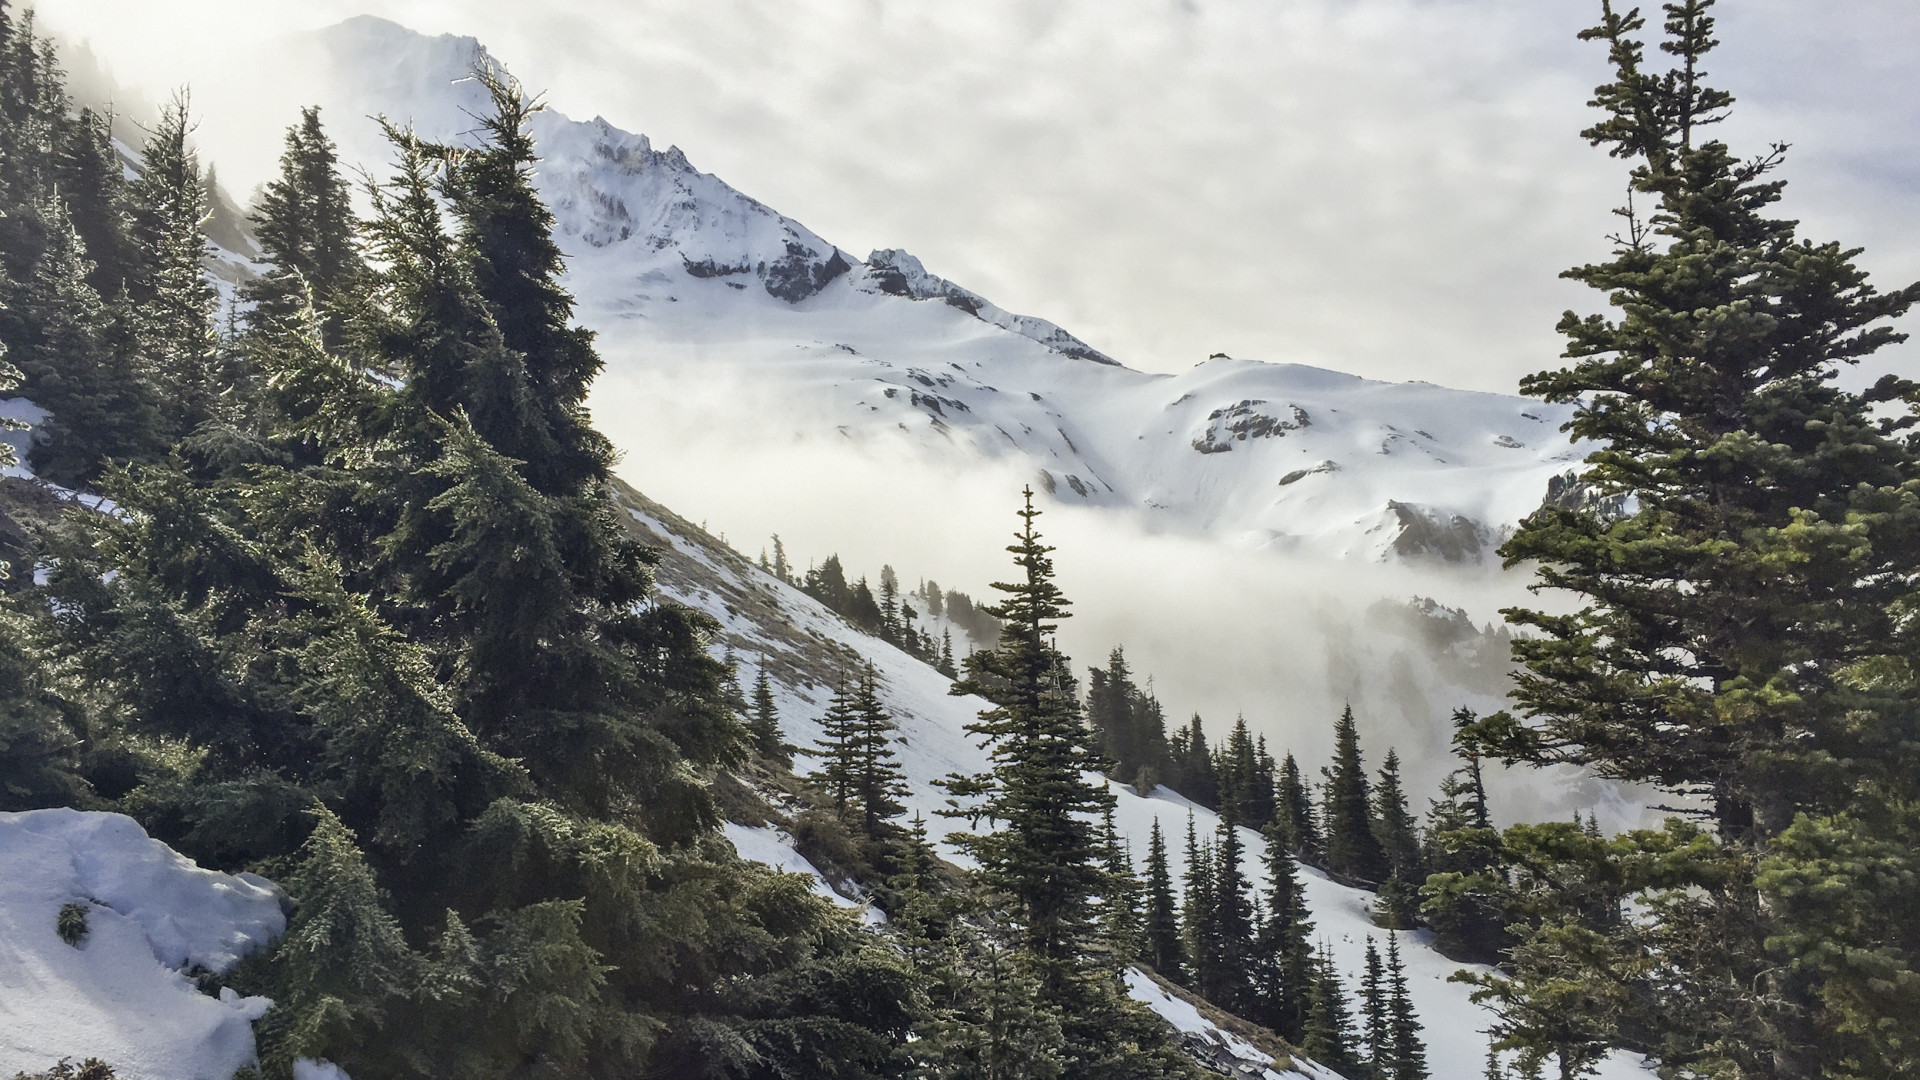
{"x":693,"y":285}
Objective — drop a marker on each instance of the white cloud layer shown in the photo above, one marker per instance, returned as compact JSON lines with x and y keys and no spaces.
{"x":1387,"y":187}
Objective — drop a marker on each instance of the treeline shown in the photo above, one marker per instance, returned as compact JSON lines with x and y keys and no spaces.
{"x":890,"y":614}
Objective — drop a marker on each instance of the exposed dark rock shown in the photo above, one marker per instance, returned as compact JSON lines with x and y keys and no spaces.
{"x":1247,"y":420}
{"x":1426,"y":533}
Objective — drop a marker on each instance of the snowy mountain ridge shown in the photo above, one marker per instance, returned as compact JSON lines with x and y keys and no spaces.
{"x":693,"y":285}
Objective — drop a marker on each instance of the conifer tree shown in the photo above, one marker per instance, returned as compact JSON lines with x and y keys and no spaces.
{"x":1399,"y":840}
{"x":1163,"y":949}
{"x":1197,"y":920}
{"x":765,"y":721}
{"x":1120,"y":909}
{"x":1229,"y":937}
{"x":1299,"y":832}
{"x":1285,"y":946}
{"x":1460,"y":899}
{"x":945,"y":666}
{"x":878,"y":784}
{"x":103,"y":409}
{"x":1044,"y":854}
{"x":1406,"y":1055}
{"x":1373,"y":1008}
{"x":305,"y":226}
{"x":1724,"y":630}
{"x":173,"y":301}
{"x":1353,"y":852}
{"x":1328,"y":1037}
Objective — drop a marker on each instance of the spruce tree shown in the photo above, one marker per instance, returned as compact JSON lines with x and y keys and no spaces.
{"x":1229,"y":976}
{"x":171,"y":297}
{"x":1399,"y":840}
{"x":1197,"y":921}
{"x":1460,"y":899}
{"x":1120,"y":907}
{"x":1299,"y":831}
{"x":1730,"y":638}
{"x":1044,"y":853}
{"x":764,"y":724}
{"x":1406,"y":1055}
{"x":305,"y":226}
{"x":1328,"y":1037}
{"x":1285,"y":945}
{"x":878,"y":782}
{"x":1373,"y":1008}
{"x":1353,"y":852}
{"x":1163,"y":949}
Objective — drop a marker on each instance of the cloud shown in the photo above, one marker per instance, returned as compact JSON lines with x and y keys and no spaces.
{"x":1387,"y":187}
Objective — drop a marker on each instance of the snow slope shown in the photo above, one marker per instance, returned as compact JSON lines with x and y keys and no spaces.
{"x":804,"y":647}
{"x":125,"y":993}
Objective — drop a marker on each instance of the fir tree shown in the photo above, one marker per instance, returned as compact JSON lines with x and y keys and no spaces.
{"x":169,"y":292}
{"x":1328,"y":1037}
{"x":1406,"y":1055}
{"x":1460,"y":900}
{"x":1197,"y":920}
{"x":305,"y":227}
{"x":765,"y":721}
{"x":1045,"y":853}
{"x":1723,"y":631}
{"x":1229,"y":937}
{"x":1353,"y":852}
{"x":1163,"y":948}
{"x":1285,"y":946}
{"x":1399,"y":840}
{"x":1373,"y":1007}
{"x":1120,"y":908}
{"x":1299,"y":832}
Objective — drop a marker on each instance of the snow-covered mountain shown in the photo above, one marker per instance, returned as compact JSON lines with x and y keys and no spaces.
{"x":693,"y":284}
{"x":1243,"y":528}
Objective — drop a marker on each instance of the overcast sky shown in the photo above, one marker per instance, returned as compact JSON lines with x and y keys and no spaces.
{"x":1387,"y":187}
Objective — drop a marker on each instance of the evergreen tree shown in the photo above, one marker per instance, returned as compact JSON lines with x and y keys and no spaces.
{"x":506,"y":235}
{"x":1228,"y":970}
{"x":1460,"y":900}
{"x":1197,"y":921}
{"x":945,"y":666}
{"x":1299,"y":832}
{"x":1045,"y":853}
{"x":1285,"y":946}
{"x":1192,"y":768}
{"x":1733,"y":634}
{"x":839,"y":749}
{"x":1120,"y":909}
{"x":1399,"y":840}
{"x":305,"y":226}
{"x":172,"y":299}
{"x":1163,"y":949}
{"x":1353,"y":852}
{"x":1328,"y":1037}
{"x":764,"y":723}
{"x":1373,"y":1007}
{"x":1406,"y":1055}
{"x":879,"y":784}
{"x":102,"y":408}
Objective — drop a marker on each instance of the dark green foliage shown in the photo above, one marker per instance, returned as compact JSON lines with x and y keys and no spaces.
{"x":1741,"y":637}
{"x":1405,"y":1055}
{"x":1043,"y":866}
{"x":1353,"y":851}
{"x":1286,"y":973}
{"x":764,"y":722}
{"x":39,"y":728}
{"x":1164,"y":950}
{"x":1399,"y":839}
{"x":90,"y":1069}
{"x":1373,"y":1013}
{"x":305,"y":226}
{"x":1461,"y":897}
{"x":1192,"y":764}
{"x":1223,"y":962}
{"x":71,"y":924}
{"x":1297,"y":829}
{"x":1131,"y":728}
{"x":859,"y":770}
{"x":171,"y":299}
{"x":1328,"y":1036}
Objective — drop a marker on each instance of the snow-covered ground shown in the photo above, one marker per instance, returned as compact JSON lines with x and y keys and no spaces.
{"x":933,"y":744}
{"x":123,"y":993}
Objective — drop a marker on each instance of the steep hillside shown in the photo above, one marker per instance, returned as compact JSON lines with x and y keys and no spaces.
{"x":805,"y":647}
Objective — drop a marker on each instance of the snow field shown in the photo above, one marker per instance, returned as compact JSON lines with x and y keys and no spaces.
{"x":123,"y":993}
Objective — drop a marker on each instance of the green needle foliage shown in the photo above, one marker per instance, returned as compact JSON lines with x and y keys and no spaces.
{"x":1741,"y":637}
